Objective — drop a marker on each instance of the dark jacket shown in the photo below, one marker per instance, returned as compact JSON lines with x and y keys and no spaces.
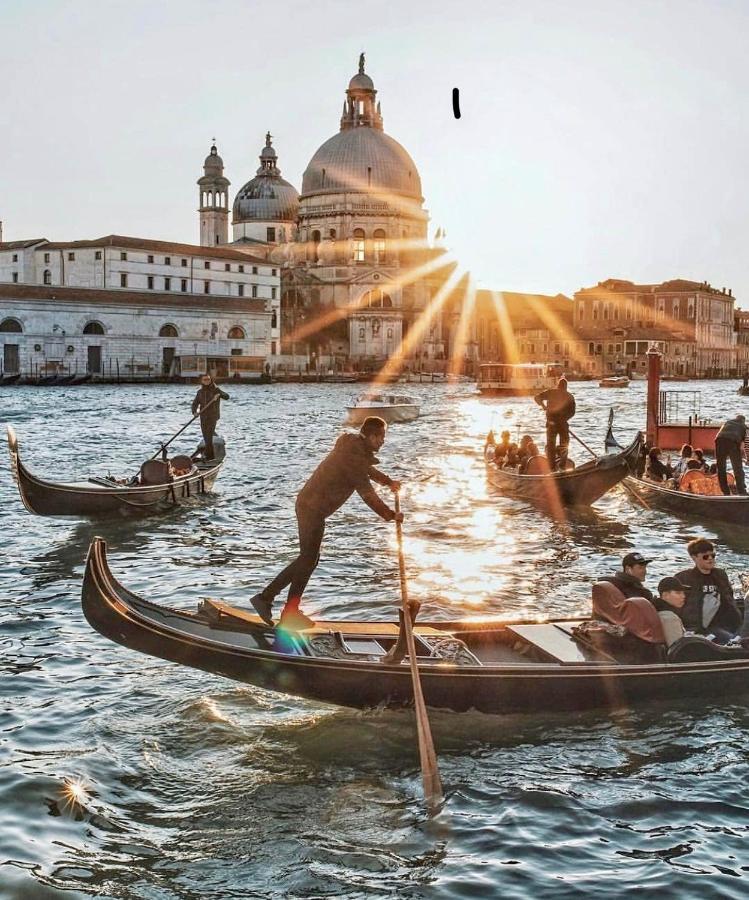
{"x":657,"y":470}
{"x":629,"y":585}
{"x":560,"y":404}
{"x":733,"y":430}
{"x":347,"y":468}
{"x":699,"y":586}
{"x":204,"y":396}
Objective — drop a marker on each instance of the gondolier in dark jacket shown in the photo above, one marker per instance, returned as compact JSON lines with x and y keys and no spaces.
{"x":710,"y":606}
{"x":630,"y":579}
{"x":560,"y":408}
{"x":208,"y":401}
{"x":729,"y":444}
{"x":349,"y":467}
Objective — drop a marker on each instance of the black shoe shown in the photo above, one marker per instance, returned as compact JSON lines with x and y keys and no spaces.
{"x":263,"y":607}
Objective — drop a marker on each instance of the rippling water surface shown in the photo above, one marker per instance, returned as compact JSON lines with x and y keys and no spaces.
{"x":125,"y":776}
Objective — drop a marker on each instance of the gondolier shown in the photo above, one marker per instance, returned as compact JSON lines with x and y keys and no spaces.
{"x":559,"y":405}
{"x":729,"y":444}
{"x":208,"y":401}
{"x":347,"y":468}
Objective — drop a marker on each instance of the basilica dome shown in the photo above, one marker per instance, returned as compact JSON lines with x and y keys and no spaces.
{"x":361,"y":157}
{"x":267,"y":197}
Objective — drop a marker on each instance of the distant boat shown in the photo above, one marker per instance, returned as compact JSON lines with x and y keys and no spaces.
{"x":390,"y":407}
{"x":614,"y":381}
{"x":426,"y":377}
{"x":517,"y":379}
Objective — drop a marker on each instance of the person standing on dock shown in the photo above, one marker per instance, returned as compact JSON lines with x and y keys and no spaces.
{"x":560,"y":408}
{"x":208,"y":401}
{"x":729,"y":444}
{"x":347,"y":468}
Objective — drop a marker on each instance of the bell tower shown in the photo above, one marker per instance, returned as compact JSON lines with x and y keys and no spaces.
{"x":213,"y":201}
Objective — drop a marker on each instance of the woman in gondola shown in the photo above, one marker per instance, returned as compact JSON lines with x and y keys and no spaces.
{"x":656,"y":469}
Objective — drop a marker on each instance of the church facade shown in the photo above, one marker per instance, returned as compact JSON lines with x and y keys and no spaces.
{"x":352,"y":247}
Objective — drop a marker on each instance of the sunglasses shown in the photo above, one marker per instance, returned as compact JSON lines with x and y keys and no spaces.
{"x":707,"y":555}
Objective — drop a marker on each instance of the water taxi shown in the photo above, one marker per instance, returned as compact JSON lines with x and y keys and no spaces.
{"x":517,"y":379}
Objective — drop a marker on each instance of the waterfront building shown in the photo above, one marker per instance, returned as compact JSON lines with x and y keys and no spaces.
{"x":220,"y":304}
{"x":692,"y":322}
{"x":741,"y":329}
{"x":525,"y":328}
{"x":123,"y":334}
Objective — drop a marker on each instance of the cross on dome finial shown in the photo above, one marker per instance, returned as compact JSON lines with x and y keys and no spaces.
{"x":361,"y":63}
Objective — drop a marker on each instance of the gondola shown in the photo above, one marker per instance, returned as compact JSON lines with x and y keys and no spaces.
{"x":105,"y":496}
{"x":489,"y":666}
{"x":652,"y":494}
{"x":743,"y":391}
{"x":575,"y":487}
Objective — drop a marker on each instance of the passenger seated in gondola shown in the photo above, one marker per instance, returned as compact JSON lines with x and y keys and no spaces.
{"x":500,"y":450}
{"x":490,"y":441}
{"x":712,"y":471}
{"x":699,"y":455}
{"x":535,"y":464}
{"x":710,"y":606}
{"x":523,"y":454}
{"x":685,"y":454}
{"x":641,"y":638}
{"x":656,"y":469}
{"x":511,"y":459}
{"x":669,"y":603}
{"x":630,"y":580}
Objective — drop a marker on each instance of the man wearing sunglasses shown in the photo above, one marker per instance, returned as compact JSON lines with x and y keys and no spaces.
{"x":710,"y":607}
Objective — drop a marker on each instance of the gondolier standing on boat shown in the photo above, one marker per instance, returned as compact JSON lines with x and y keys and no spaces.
{"x":559,"y":405}
{"x":347,"y":468}
{"x":729,"y":444}
{"x":208,"y":401}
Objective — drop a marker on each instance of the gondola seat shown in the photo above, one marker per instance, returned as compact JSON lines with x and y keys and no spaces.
{"x":696,"y":648}
{"x":155,"y":471}
{"x":644,"y":640}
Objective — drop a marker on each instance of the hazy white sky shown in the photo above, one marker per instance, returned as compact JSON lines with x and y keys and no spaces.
{"x":597,"y":139}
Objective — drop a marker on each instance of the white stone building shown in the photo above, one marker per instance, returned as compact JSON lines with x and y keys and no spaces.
{"x":205,"y":289}
{"x":46,"y":331}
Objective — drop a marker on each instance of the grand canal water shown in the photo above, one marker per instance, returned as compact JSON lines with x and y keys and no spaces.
{"x":191,"y":786}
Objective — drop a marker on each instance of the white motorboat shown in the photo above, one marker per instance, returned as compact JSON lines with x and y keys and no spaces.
{"x":614,"y":381}
{"x":517,"y":379}
{"x":390,"y":407}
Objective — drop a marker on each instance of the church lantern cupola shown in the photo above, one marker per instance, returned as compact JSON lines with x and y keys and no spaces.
{"x":213,"y":201}
{"x":360,"y":107}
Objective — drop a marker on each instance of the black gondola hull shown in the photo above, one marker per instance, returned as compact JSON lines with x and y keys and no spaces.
{"x":185,"y":639}
{"x":578,"y":487}
{"x":733,"y":509}
{"x":47,"y":498}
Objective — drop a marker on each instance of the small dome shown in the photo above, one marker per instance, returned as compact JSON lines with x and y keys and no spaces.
{"x":267,"y":197}
{"x":213,"y":160}
{"x":361,"y":82}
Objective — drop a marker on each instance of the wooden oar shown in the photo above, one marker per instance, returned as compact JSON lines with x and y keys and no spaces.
{"x":429,"y":771}
{"x":162,"y":448}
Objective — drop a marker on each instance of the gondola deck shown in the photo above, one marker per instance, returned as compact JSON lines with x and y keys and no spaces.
{"x":486,"y":665}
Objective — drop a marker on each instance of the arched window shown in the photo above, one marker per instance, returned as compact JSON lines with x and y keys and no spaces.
{"x":358,"y":245}
{"x":236,"y":333}
{"x":11,"y":326}
{"x":379,"y":245}
{"x":274,"y":319}
{"x":168,"y":330}
{"x":93,"y":328}
{"x":376,"y":300}
{"x":47,"y":276}
{"x":315,"y":245}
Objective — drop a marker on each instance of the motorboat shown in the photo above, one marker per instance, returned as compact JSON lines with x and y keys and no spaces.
{"x":390,"y":407}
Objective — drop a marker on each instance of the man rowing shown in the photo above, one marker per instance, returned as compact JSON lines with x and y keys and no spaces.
{"x":560,"y":408}
{"x":208,"y":400}
{"x":349,"y":467}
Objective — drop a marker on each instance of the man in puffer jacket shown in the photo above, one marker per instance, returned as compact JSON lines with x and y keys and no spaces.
{"x":729,"y":444}
{"x":347,"y":468}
